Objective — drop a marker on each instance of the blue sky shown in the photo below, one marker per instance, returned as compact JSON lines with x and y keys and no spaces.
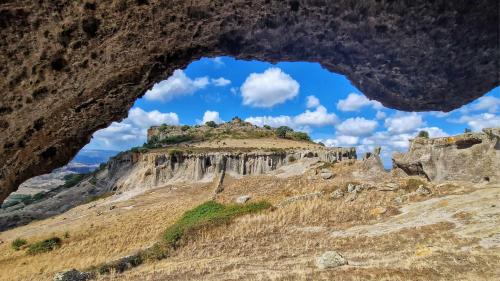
{"x":301,"y":95}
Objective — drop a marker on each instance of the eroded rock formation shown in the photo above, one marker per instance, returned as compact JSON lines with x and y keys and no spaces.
{"x":69,"y":68}
{"x":471,"y":157}
{"x":154,"y":169}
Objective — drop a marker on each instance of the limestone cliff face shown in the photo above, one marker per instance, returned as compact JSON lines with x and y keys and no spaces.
{"x":70,"y":68}
{"x":470,"y":157}
{"x":152,"y":169}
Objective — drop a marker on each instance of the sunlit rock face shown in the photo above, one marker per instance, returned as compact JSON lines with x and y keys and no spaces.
{"x":69,"y":68}
{"x":473,"y":157}
{"x":147,"y":170}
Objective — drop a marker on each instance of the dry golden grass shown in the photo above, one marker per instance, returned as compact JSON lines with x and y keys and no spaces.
{"x":276,"y":245}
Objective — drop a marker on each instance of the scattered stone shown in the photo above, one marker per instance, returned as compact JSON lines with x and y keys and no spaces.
{"x":99,"y":213}
{"x":243,"y":199}
{"x":390,"y":186}
{"x":308,"y":196}
{"x":421,"y":190}
{"x":330,"y":259}
{"x":352,"y":196}
{"x":112,"y":207}
{"x":337,"y":194}
{"x":326,"y":175}
{"x":351,"y":187}
{"x":92,"y":206}
{"x":399,"y":200}
{"x":72,"y":275}
{"x":378,"y":211}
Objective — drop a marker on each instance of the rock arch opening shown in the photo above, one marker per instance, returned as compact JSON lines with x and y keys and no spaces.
{"x":72,"y":68}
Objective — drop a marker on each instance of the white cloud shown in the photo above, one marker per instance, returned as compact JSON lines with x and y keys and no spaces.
{"x":273,"y":121}
{"x":340,"y":140}
{"x":356,"y":127}
{"x":269,"y":88}
{"x":403,"y":123}
{"x":479,"y":121}
{"x":317,"y":118}
{"x":131,"y":131}
{"x":175,"y":86}
{"x":488,"y":103}
{"x":220,"y":82}
{"x":380,"y":115}
{"x":217,"y":61}
{"x":211,"y":116}
{"x":434,"y":132}
{"x":355,"y":102}
{"x":312,"y":102}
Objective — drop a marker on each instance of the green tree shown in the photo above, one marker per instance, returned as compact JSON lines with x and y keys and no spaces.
{"x":282,"y":131}
{"x":211,"y":124}
{"x":423,"y":134}
{"x":467,"y":130}
{"x":267,"y":127}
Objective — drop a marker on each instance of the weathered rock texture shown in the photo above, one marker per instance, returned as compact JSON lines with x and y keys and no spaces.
{"x":69,"y":68}
{"x":154,"y":169}
{"x":470,"y":157}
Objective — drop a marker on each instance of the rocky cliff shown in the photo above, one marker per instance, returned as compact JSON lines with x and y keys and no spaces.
{"x":158,"y":168}
{"x":471,"y":157}
{"x":70,"y":68}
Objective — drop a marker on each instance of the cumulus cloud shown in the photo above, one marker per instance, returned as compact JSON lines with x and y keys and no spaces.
{"x":356,"y":127}
{"x":175,"y":86}
{"x":317,"y":118}
{"x":340,"y":140}
{"x":479,"y":121}
{"x":488,"y":103}
{"x":220,"y":82}
{"x":273,"y":121}
{"x":132,"y":131}
{"x":269,"y":88}
{"x":211,"y":116}
{"x":403,"y":123}
{"x":312,"y":102}
{"x":380,"y":115}
{"x":354,"y":102}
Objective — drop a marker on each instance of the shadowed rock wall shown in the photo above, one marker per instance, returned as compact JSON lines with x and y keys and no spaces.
{"x":70,"y":68}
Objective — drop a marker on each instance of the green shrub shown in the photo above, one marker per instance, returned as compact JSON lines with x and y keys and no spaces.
{"x":208,"y":214}
{"x":282,"y":131}
{"x":73,"y":179}
{"x":423,"y":134}
{"x":267,"y":127}
{"x":320,"y":143}
{"x":211,"y":124}
{"x":44,"y":246}
{"x":38,"y":196}
{"x":18,"y":243}
{"x":467,"y":130}
{"x":185,"y":128}
{"x":300,"y":136}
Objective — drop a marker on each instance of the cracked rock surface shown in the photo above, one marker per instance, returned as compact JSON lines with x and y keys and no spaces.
{"x":69,"y":68}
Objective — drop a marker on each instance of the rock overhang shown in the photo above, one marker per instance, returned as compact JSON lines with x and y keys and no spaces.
{"x":71,"y":68}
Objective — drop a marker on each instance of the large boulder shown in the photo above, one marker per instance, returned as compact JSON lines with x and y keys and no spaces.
{"x":471,"y":157}
{"x":330,"y":259}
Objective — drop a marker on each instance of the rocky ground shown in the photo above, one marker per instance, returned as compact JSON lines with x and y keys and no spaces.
{"x":345,"y":219}
{"x":397,"y":228}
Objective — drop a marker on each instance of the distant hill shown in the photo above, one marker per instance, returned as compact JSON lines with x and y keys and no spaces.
{"x":93,"y":156}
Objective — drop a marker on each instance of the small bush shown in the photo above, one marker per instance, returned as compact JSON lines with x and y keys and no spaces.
{"x":282,"y":131}
{"x":44,"y":246}
{"x":207,"y":214}
{"x":300,"y":136}
{"x":18,"y":243}
{"x":73,"y":179}
{"x":185,"y":128}
{"x":211,"y":124}
{"x":320,"y":143}
{"x":467,"y":130}
{"x":423,"y":134}
{"x":267,"y":127}
{"x":291,"y":159}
